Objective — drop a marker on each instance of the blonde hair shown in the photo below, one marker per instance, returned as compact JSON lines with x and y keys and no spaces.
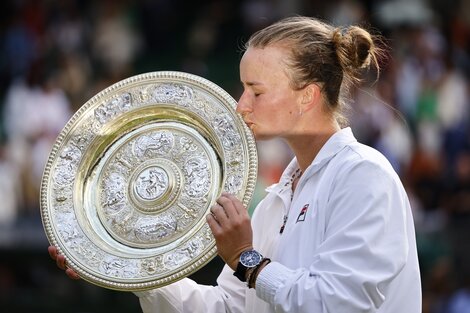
{"x":321,"y":53}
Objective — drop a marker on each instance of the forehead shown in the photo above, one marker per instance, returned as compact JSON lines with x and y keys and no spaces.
{"x":266,"y":63}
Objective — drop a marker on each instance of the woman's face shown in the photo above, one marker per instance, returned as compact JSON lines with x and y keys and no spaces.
{"x":269,"y":106}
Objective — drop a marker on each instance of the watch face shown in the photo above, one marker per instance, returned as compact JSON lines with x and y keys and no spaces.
{"x":250,"y":258}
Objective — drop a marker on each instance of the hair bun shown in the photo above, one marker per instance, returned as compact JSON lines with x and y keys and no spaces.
{"x":354,"y":47}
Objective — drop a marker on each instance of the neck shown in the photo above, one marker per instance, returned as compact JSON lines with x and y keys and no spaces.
{"x":307,"y":145}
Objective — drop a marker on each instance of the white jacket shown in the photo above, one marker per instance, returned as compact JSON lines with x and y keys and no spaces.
{"x":348,"y":245}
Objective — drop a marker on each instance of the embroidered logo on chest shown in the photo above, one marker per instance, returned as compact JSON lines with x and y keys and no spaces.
{"x":303,"y":213}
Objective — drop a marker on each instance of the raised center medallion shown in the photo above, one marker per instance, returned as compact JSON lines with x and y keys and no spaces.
{"x":151,"y":183}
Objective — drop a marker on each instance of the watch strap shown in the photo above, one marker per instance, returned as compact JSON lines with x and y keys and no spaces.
{"x":240,"y":272}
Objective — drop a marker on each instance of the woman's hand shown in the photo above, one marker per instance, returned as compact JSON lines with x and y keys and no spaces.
{"x":230,"y":224}
{"x":60,"y":260}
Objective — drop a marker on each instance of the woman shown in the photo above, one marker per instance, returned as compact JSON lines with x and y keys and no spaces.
{"x":336,"y":233}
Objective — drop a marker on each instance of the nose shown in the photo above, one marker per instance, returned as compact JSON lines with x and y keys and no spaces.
{"x":244,"y":105}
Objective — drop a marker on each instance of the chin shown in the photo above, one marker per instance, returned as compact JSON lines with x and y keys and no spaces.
{"x":261,"y":136}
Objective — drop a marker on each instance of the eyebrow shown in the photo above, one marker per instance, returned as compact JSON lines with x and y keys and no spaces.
{"x":255,"y":83}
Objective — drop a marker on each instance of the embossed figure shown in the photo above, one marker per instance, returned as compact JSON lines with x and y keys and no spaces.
{"x":233,"y":183}
{"x":123,"y":102}
{"x":336,"y":233}
{"x":151,"y":266}
{"x":196,"y":171}
{"x":152,"y":183}
{"x":113,"y":189}
{"x":185,"y":254}
{"x":159,"y":143}
{"x":117,"y":267}
{"x":154,"y":230}
{"x":225,"y":131}
{"x":68,"y":231}
{"x":187,"y":144}
{"x":113,"y":108}
{"x":67,"y":162}
{"x":173,"y":93}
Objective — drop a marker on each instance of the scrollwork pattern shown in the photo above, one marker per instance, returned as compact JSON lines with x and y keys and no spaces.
{"x":225,"y":129}
{"x":173,"y":93}
{"x":196,"y":171}
{"x":160,"y":228}
{"x":184,"y":254}
{"x":67,"y":165}
{"x":158,"y":143}
{"x":113,"y":108}
{"x":119,"y":267}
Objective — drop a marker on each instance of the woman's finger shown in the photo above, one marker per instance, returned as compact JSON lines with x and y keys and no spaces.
{"x":72,"y":274}
{"x":52,"y":252}
{"x":61,"y":262}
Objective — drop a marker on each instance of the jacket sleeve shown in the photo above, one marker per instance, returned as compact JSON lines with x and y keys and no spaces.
{"x":186,"y":296}
{"x":365,"y":246}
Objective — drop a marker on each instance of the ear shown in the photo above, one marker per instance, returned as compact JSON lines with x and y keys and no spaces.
{"x":311,"y":97}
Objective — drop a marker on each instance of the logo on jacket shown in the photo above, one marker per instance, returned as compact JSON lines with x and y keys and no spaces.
{"x":302,"y":213}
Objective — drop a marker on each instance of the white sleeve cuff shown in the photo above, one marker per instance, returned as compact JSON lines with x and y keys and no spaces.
{"x":142,"y":294}
{"x":270,"y":279}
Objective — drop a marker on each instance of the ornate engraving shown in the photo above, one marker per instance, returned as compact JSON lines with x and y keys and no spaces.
{"x":118,"y":267}
{"x":113,"y":108}
{"x":114,"y":190}
{"x":137,"y":192}
{"x":159,"y":143}
{"x":197,"y":175}
{"x":173,"y":93}
{"x":152,"y":266}
{"x":150,"y":229}
{"x":62,"y":194}
{"x":67,"y":231}
{"x":184,"y":254}
{"x":224,"y":128}
{"x":129,"y":181}
{"x":233,"y":184}
{"x":91,"y":255}
{"x":144,"y":95}
{"x":66,"y":165}
{"x":151,"y":183}
{"x":188,"y":213}
{"x":187,"y":144}
{"x":85,"y":134}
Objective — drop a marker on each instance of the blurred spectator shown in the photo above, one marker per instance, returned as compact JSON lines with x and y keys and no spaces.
{"x":9,"y":188}
{"x":457,"y":204}
{"x":36,"y":110}
{"x":115,"y":42}
{"x":460,"y":302}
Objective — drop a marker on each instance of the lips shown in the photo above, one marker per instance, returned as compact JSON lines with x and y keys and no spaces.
{"x":247,"y":122}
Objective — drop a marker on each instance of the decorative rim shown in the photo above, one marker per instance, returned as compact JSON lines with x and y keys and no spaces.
{"x":133,"y":173}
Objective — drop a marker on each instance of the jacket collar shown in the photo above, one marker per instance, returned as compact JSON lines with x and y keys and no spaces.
{"x":334,"y":144}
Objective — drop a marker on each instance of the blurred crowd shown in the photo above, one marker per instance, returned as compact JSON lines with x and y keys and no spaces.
{"x":55,"y":55}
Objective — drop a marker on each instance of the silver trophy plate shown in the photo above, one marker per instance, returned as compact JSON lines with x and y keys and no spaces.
{"x":133,"y":174}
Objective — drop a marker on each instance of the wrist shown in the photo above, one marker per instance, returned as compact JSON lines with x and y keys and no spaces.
{"x":234,"y":262}
{"x":253,"y":274}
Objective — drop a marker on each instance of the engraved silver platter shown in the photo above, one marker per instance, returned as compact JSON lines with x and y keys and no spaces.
{"x":133,"y":174}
